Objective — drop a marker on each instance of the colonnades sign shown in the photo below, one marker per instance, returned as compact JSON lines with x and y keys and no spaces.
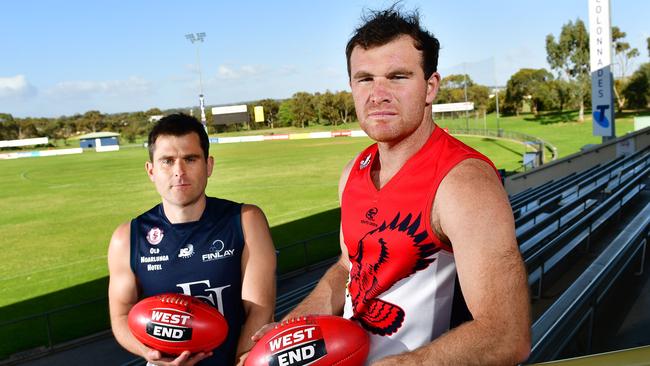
{"x":600,"y":59}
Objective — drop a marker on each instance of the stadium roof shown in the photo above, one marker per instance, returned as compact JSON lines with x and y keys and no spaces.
{"x":96,"y":135}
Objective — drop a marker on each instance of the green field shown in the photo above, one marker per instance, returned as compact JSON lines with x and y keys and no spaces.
{"x":57,"y":213}
{"x":559,"y":129}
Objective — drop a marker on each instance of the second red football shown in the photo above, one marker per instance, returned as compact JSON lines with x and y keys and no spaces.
{"x":316,"y":340}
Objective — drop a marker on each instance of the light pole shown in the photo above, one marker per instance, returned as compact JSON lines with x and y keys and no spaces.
{"x":199,"y":37}
{"x":465,"y":92}
{"x":496,"y":92}
{"x":496,"y":95}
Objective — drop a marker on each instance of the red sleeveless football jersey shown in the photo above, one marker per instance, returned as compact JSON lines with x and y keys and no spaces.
{"x":402,"y":276}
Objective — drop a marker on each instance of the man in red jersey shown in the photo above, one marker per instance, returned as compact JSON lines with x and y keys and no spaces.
{"x":419,"y":208}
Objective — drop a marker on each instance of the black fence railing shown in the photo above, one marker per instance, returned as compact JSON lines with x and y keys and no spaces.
{"x":302,"y":255}
{"x":45,"y":330}
{"x":510,"y":135}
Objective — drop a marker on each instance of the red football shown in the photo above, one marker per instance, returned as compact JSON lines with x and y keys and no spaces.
{"x":315,"y":340}
{"x":173,"y":323}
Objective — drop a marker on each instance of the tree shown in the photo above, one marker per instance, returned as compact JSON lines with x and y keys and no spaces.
{"x":624,"y":54}
{"x":492,"y":101}
{"x":480,"y":95}
{"x":570,"y":55}
{"x":345,"y":104}
{"x":622,"y":50}
{"x":452,"y":88}
{"x":271,"y":108}
{"x":92,"y":121}
{"x":8,"y":127}
{"x":27,"y":128}
{"x":133,"y":125}
{"x":637,"y":91}
{"x":285,"y":113}
{"x":648,"y":42}
{"x":328,"y":108}
{"x":562,"y":92}
{"x":456,"y":81}
{"x":153,"y":112}
{"x":303,"y":109}
{"x":529,"y":84}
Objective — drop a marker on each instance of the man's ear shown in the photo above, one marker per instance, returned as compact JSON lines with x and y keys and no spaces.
{"x":433,"y":83}
{"x":210,"y":163}
{"x":148,"y":167}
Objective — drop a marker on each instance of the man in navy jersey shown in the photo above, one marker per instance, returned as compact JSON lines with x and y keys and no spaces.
{"x":419,"y":207}
{"x":213,"y":249}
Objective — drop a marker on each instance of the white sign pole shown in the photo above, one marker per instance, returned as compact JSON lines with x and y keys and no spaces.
{"x":600,"y":55}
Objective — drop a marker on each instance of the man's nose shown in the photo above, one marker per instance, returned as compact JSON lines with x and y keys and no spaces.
{"x":179,"y":167}
{"x":380,"y":92}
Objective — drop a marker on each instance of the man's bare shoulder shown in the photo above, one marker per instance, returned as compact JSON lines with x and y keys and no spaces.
{"x":122,"y":234}
{"x":255,"y":226}
{"x":251,"y":211}
{"x":470,"y":169}
{"x":253,"y":218}
{"x":470,"y":191}
{"x":346,"y":173}
{"x":472,"y":178}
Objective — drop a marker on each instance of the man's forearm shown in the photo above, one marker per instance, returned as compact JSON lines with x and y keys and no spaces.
{"x":472,"y":343}
{"x":126,"y":339}
{"x":328,"y":297}
{"x":256,"y":318}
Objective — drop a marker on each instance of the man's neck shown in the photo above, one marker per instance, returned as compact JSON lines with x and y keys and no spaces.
{"x":392,"y":156}
{"x":188,"y":213}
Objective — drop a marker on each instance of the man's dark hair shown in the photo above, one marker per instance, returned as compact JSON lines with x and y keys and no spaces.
{"x":384,"y":26}
{"x":178,"y":124}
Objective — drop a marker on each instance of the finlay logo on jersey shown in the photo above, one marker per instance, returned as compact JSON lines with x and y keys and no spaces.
{"x":364,"y":163}
{"x":297,"y":346}
{"x":217,"y":252}
{"x":155,"y":236}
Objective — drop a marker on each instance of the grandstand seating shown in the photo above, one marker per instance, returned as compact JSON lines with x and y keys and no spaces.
{"x":576,"y":306}
{"x":523,"y":201}
{"x":570,"y":225}
{"x":554,"y":194}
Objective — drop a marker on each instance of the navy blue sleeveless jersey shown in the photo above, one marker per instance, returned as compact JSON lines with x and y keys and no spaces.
{"x":200,"y":258}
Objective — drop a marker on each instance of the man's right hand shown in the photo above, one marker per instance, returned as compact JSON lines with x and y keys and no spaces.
{"x":262,"y":331}
{"x":186,"y":358}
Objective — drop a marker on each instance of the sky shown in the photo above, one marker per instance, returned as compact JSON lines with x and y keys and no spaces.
{"x":67,"y":57}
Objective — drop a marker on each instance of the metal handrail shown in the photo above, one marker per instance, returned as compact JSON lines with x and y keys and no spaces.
{"x":512,"y":135}
{"x":54,"y":311}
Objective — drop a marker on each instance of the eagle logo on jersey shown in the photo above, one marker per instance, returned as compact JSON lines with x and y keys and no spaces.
{"x":382,"y":257}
